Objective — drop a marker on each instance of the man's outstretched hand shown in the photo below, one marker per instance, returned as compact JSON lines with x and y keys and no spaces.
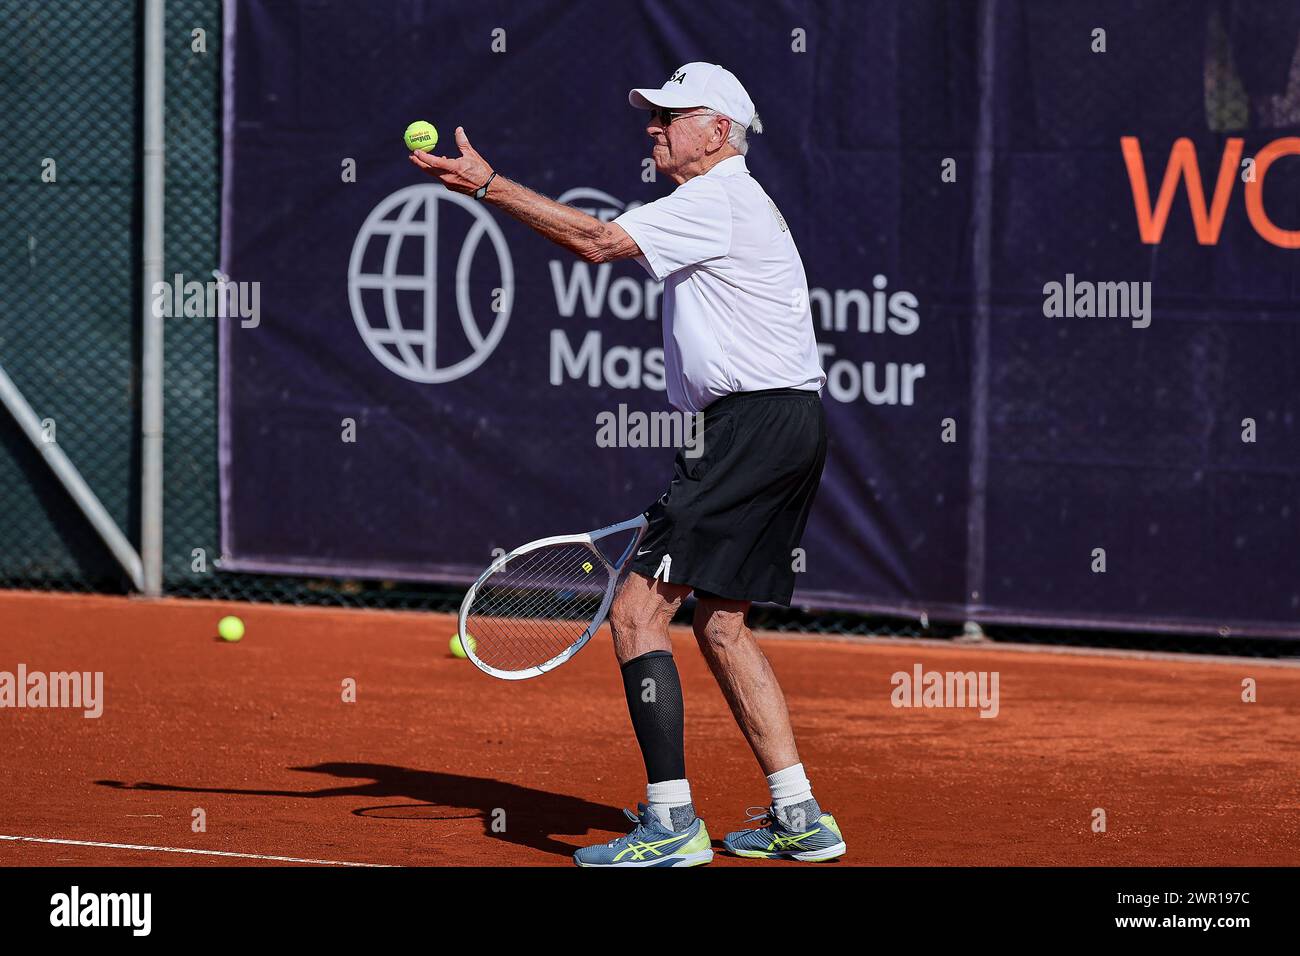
{"x":463,"y":175}
{"x":575,"y":230}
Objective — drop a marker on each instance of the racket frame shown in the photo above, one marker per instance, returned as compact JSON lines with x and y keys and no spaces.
{"x":637,"y":524}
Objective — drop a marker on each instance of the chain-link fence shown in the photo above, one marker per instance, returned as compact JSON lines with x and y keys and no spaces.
{"x":69,"y":162}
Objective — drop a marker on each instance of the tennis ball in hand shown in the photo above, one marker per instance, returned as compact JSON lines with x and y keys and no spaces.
{"x":457,"y":650}
{"x":230,"y":628}
{"x":421,"y":135}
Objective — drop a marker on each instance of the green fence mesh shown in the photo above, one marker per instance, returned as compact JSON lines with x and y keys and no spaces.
{"x":68,"y":291}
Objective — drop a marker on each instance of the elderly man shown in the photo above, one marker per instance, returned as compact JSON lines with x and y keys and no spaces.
{"x":739,"y":347}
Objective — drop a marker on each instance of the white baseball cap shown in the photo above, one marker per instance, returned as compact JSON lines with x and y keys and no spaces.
{"x":699,"y":84}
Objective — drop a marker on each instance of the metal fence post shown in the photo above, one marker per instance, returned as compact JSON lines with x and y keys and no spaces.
{"x":151,"y":372}
{"x":982,"y":255}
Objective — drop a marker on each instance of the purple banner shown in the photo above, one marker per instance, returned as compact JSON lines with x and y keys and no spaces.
{"x":426,"y":378}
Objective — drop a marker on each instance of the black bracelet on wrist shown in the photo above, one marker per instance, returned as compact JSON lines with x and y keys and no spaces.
{"x":482,"y":190}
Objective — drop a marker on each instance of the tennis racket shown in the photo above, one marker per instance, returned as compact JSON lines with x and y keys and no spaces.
{"x":537,"y":606}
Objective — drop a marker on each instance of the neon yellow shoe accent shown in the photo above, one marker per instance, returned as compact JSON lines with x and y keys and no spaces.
{"x":657,"y":848}
{"x":794,"y":841}
{"x":700,"y":842}
{"x":640,"y":851}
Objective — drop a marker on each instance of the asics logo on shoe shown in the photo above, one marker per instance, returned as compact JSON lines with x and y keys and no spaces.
{"x":640,"y":850}
{"x":792,"y":842}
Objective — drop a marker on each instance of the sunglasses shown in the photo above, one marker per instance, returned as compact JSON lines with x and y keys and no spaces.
{"x":662,"y":116}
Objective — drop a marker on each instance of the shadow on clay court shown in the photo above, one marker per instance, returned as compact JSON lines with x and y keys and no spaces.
{"x":532,"y":815}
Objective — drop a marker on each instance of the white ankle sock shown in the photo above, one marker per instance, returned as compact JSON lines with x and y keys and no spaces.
{"x":667,"y":795}
{"x":789,"y":786}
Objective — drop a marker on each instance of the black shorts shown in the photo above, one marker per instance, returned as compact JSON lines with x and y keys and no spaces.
{"x":730,"y":522}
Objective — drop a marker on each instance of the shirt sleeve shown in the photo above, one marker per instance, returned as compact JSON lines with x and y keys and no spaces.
{"x":689,"y":226}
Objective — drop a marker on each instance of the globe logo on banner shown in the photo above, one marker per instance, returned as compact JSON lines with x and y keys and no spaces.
{"x":594,"y":202}
{"x":394,"y":289}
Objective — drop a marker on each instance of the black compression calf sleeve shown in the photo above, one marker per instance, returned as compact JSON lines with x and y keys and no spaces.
{"x":654,"y":700}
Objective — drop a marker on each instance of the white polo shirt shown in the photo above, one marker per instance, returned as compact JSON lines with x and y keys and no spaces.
{"x":736,"y":314}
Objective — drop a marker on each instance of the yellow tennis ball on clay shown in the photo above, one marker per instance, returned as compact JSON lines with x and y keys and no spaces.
{"x":230,"y":628}
{"x":421,"y":135}
{"x":457,"y":650}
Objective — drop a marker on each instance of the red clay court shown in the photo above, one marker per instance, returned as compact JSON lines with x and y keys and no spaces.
{"x":438,"y":764}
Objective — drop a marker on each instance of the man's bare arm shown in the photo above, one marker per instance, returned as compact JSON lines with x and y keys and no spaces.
{"x":591,"y":239}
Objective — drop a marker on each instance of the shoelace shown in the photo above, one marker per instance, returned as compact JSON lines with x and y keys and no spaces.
{"x":637,"y":832}
{"x":764,"y":817}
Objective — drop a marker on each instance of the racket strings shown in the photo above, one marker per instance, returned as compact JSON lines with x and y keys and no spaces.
{"x":536,"y":606}
{"x":523,"y":622}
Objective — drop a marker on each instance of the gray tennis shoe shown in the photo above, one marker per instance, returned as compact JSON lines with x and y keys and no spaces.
{"x":649,"y":844}
{"x":779,"y":838}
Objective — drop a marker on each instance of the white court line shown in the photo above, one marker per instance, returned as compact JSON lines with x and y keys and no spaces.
{"x":174,"y":849}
